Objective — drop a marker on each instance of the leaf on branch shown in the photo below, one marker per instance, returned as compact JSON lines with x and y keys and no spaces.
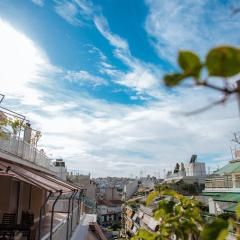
{"x":190,"y":63}
{"x":174,"y":79}
{"x":213,"y":230}
{"x":223,"y":61}
{"x":151,"y":197}
{"x":238,"y":211}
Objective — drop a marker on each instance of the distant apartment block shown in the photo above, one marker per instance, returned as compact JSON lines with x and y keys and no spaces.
{"x":222,"y":188}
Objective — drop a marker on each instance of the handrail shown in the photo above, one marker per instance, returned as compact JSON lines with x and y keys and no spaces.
{"x":27,"y":151}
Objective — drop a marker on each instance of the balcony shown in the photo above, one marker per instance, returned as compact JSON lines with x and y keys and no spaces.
{"x":225,"y":183}
{"x":15,"y":146}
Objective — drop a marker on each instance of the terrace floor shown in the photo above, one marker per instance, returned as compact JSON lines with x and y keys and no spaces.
{"x":59,"y":219}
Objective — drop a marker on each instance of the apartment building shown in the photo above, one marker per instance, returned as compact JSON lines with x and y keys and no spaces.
{"x":222,"y":188}
{"x":109,"y":212}
{"x":137,"y":215}
{"x":192,"y":172}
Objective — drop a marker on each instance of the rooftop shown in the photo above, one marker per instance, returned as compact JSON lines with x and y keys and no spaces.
{"x":231,"y":167}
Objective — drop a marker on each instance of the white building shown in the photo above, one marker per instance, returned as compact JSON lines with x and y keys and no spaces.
{"x":60,"y":168}
{"x":109,"y":212}
{"x":129,"y":189}
{"x":192,"y":172}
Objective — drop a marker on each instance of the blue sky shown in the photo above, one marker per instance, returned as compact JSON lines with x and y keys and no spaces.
{"x":88,"y":74}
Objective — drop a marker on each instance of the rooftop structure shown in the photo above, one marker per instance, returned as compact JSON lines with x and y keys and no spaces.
{"x":222,"y":188}
{"x":191,"y":172}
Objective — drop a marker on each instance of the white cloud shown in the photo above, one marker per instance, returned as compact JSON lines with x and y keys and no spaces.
{"x":142,"y":77}
{"x":21,"y":64}
{"x":193,"y":25}
{"x":84,"y":77}
{"x":108,"y":138}
{"x":103,"y":27}
{"x":128,"y":139}
{"x":40,"y":3}
{"x":68,"y":11}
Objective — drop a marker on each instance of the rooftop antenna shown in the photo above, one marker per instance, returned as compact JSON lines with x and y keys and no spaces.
{"x":231,"y":152}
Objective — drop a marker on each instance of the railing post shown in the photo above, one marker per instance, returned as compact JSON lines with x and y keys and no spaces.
{"x":52,"y":215}
{"x":41,"y":213}
{"x":75,"y":192}
{"x":79,"y":202}
{"x":69,"y":205}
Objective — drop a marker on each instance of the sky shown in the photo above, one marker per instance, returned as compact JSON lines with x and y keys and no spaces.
{"x":88,"y":74}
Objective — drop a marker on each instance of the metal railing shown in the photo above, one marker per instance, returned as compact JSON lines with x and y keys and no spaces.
{"x":16,"y":146}
{"x":219,"y":182}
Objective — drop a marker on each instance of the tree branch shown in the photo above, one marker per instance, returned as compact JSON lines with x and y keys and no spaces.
{"x":225,"y":90}
{"x":207,"y":107}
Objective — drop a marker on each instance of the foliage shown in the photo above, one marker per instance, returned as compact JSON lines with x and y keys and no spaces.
{"x":221,"y":62}
{"x":215,"y":230}
{"x":15,"y":124}
{"x":36,"y":137}
{"x":178,"y":216}
{"x":3,"y":124}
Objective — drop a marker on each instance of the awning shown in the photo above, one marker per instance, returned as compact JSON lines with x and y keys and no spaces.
{"x":210,"y":194}
{"x":231,"y":208}
{"x":228,"y":197}
{"x":37,"y":178}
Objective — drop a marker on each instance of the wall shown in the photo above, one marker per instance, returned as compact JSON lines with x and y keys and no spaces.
{"x":37,"y":199}
{"x":5,"y":186}
{"x":111,"y":193}
{"x":195,"y":169}
{"x":130,"y":189}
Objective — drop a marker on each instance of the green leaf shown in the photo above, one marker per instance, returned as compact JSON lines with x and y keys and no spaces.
{"x":213,"y":230}
{"x":190,"y":63}
{"x":145,"y":235}
{"x":223,"y":61}
{"x":151,"y":197}
{"x":223,"y":234}
{"x":174,"y":79}
{"x":238,"y":211}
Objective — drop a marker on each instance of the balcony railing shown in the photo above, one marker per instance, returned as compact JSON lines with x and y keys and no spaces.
{"x":17,"y":147}
{"x":219,"y":182}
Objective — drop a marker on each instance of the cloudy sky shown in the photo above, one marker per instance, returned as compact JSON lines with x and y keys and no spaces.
{"x":88,"y":74}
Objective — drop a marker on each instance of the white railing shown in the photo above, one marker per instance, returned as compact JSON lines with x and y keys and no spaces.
{"x":12,"y":144}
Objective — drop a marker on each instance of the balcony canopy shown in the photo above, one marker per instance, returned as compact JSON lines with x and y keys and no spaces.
{"x":40,"y":179}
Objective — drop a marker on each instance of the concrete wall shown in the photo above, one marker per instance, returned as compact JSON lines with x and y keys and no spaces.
{"x":111,"y":193}
{"x":5,"y":186}
{"x":37,"y":199}
{"x":130,"y":189}
{"x":18,"y":196}
{"x":195,"y":169}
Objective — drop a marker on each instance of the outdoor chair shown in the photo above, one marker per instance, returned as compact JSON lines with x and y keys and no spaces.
{"x":7,"y":226}
{"x":27,"y":221}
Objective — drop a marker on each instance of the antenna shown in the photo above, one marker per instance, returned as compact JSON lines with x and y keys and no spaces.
{"x":231,"y":152}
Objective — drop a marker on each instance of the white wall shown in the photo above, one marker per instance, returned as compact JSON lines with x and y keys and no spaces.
{"x":129,"y":189}
{"x":195,"y":169}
